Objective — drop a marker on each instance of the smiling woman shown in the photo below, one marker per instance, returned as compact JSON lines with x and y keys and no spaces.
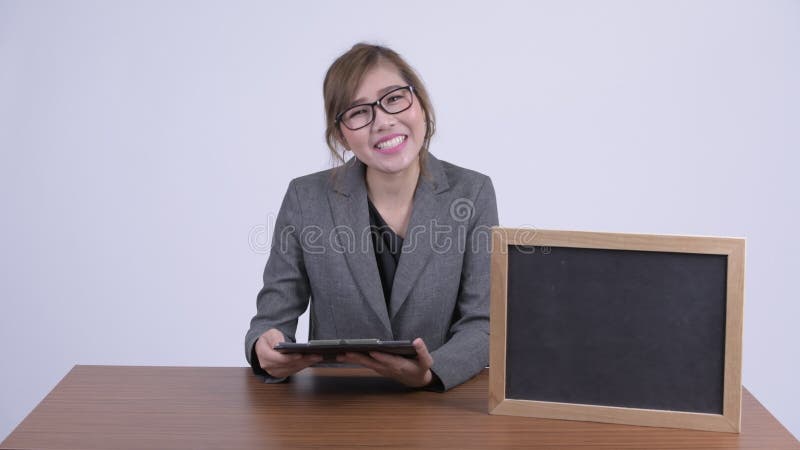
{"x":345,"y":78}
{"x":398,"y":126}
{"x":391,"y":245}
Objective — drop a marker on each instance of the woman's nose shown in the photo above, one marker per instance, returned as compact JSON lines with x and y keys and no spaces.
{"x":383,"y":119}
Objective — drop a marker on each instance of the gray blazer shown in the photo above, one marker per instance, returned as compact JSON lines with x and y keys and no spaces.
{"x":322,"y":251}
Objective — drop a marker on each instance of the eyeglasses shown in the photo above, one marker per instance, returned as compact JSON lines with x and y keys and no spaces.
{"x":392,"y":102}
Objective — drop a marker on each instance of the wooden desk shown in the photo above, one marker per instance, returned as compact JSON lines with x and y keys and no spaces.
{"x":228,"y":408}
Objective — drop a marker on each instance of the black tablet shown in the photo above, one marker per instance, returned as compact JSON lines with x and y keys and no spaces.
{"x":333,"y":347}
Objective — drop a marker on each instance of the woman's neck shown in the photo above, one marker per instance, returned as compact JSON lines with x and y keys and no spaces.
{"x":392,"y":190}
{"x":392,"y":194}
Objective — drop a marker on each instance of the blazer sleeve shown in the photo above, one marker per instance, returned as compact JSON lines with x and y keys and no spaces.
{"x":285,"y":294}
{"x":466,"y":351}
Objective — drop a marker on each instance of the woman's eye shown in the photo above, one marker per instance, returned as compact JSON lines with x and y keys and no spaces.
{"x":356,"y":112}
{"x":394,"y":98}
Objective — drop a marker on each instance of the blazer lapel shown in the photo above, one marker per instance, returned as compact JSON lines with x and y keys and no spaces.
{"x":418,"y":244}
{"x":348,"y":201}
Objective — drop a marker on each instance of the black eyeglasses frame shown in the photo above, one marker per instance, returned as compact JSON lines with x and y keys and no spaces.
{"x":374,"y":104}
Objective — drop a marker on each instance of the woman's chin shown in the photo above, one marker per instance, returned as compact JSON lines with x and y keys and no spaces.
{"x":393,"y":163}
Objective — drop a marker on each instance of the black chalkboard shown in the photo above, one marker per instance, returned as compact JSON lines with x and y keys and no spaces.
{"x":627,"y":328}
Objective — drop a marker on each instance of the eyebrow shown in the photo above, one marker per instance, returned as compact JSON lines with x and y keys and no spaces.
{"x":381,"y":93}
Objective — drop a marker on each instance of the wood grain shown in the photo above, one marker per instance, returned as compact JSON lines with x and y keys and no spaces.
{"x":498,"y":319}
{"x":107,"y":407}
{"x":621,"y":241}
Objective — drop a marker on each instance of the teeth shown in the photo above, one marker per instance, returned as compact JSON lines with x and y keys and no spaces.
{"x":391,"y":142}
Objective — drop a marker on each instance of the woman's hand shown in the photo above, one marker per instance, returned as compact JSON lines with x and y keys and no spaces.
{"x":277,"y":364}
{"x":411,"y":372}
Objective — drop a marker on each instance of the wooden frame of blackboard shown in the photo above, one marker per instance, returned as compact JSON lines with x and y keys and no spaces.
{"x":733,"y":248}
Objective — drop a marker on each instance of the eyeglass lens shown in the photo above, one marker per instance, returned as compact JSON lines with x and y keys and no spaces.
{"x":393,"y":102}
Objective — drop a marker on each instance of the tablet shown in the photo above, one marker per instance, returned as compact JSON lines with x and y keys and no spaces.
{"x":333,"y":347}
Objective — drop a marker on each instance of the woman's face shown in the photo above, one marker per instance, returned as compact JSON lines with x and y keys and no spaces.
{"x":391,"y":143}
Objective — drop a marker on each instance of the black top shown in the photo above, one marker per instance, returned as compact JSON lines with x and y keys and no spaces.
{"x":388,"y":246}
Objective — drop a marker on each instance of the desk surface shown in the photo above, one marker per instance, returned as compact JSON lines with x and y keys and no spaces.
{"x":227,"y":407}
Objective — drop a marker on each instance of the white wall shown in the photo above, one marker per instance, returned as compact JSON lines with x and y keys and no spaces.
{"x":142,"y":145}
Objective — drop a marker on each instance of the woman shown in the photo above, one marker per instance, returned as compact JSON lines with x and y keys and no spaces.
{"x":424,"y":275}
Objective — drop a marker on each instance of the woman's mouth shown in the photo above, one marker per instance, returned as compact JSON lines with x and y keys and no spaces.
{"x":391,"y":145}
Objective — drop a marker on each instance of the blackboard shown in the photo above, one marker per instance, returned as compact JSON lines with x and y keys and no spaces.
{"x":644,"y":327}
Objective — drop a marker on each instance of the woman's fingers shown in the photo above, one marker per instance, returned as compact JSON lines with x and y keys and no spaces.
{"x":278,"y":364}
{"x":423,"y":356}
{"x":292,"y":367}
{"x":411,"y":372}
{"x":284,"y":370}
{"x":363,"y":360}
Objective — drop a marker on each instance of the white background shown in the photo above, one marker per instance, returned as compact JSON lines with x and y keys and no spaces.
{"x":143,"y":145}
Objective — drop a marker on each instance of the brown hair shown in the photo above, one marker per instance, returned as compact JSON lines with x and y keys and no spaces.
{"x":343,"y":78}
